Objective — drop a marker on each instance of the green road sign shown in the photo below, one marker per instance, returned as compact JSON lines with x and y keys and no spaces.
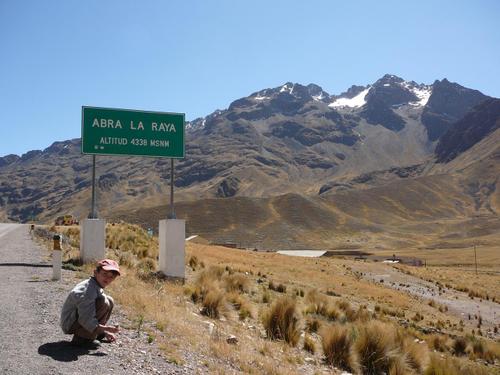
{"x":108,"y":131}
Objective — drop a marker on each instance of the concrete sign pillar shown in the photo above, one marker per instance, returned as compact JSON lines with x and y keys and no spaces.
{"x":172,"y":234}
{"x":92,"y":240}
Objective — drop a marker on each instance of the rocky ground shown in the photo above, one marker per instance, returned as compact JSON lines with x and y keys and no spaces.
{"x":31,"y":340}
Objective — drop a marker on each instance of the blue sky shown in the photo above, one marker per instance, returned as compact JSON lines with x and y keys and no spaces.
{"x":199,"y":56}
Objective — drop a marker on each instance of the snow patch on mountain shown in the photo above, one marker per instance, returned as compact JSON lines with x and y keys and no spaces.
{"x":319,"y":97}
{"x":287,"y":87}
{"x":259,"y":97}
{"x":423,"y":94}
{"x":355,"y":102}
{"x":200,"y":122}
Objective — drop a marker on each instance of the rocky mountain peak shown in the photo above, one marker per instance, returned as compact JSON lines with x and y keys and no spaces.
{"x":448,"y":103}
{"x":300,"y":92}
{"x":8,"y":159}
{"x":352,"y":91}
{"x":388,"y":79}
{"x":391,"y":90}
{"x":477,"y":124}
{"x":317,"y":93}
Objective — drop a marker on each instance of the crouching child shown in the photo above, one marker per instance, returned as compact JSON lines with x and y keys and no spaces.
{"x":87,"y":308}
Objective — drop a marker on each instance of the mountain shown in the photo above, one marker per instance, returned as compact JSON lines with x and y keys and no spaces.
{"x":284,"y":141}
{"x":448,"y":103}
{"x":480,"y":122}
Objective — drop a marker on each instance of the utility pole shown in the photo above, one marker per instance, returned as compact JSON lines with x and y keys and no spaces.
{"x":475,"y":258}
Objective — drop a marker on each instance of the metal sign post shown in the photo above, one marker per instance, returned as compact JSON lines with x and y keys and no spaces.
{"x":172,"y":210}
{"x":92,"y":212}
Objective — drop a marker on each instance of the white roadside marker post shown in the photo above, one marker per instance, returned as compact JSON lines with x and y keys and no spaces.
{"x":56,"y":258}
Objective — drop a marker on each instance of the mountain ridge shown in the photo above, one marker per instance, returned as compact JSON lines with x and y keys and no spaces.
{"x":285,"y":140}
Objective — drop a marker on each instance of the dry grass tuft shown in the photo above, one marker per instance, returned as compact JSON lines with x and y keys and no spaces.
{"x":127,"y":258}
{"x":237,"y":282}
{"x":416,"y":354}
{"x":452,"y":366}
{"x":376,"y":349}
{"x":487,"y":351}
{"x":337,"y":347}
{"x":193,"y":262}
{"x":280,"y":288}
{"x":399,"y":366}
{"x":317,"y":303}
{"x":213,"y":303}
{"x":146,"y":269}
{"x":333,"y":314}
{"x":437,"y":342}
{"x":309,"y":345}
{"x":241,"y":304}
{"x":281,"y":321}
{"x":349,"y":313}
{"x":211,"y":273}
{"x":132,"y":238}
{"x":459,"y":346}
{"x":312,"y":325}
{"x":363,"y":315}
{"x":266,"y":297}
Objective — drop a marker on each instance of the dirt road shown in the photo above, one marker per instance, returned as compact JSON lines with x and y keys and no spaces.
{"x":31,"y":341}
{"x":458,"y":303}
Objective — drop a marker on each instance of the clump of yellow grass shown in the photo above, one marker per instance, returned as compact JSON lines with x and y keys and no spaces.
{"x":376,"y":348}
{"x":281,"y":321}
{"x":337,"y":347}
{"x":452,"y":366}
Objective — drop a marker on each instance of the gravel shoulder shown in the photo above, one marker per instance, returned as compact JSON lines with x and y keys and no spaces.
{"x":31,"y":340}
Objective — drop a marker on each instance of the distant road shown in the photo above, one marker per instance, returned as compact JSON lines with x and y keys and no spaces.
{"x":8,"y":227}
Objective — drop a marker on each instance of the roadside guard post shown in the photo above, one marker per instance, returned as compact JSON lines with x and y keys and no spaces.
{"x":56,"y":258}
{"x":110,"y":131}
